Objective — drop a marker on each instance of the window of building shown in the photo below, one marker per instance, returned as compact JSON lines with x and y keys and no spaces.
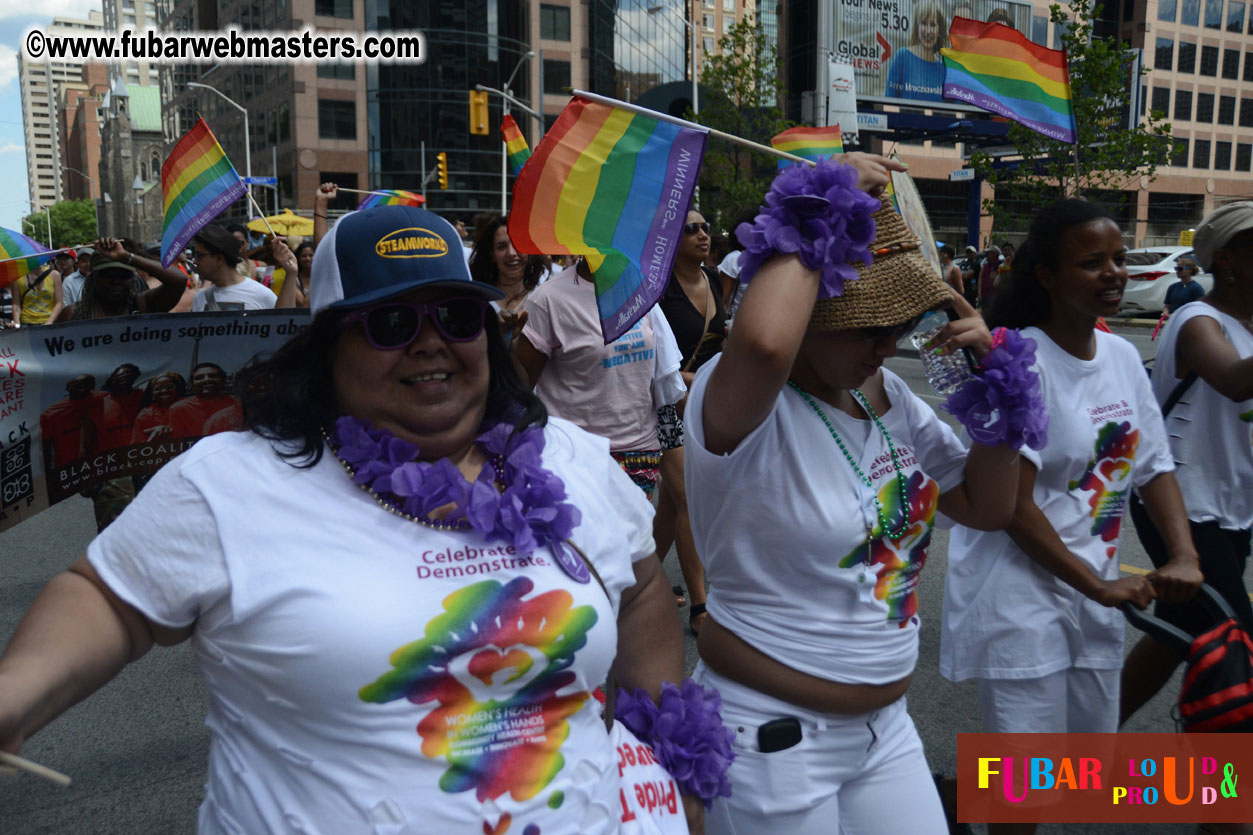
{"x":1163,"y":58}
{"x":1209,"y":60}
{"x":1200,"y":153}
{"x":1161,"y":100}
{"x":333,"y":8}
{"x":1190,"y":12}
{"x":1235,"y":16}
{"x":337,"y":119}
{"x":707,"y":44}
{"x":728,"y":5}
{"x":1166,"y":11}
{"x":1231,"y":63}
{"x":1183,"y":105}
{"x":554,"y":22}
{"x":1205,"y":107}
{"x":1226,"y":110}
{"x":1040,"y":29}
{"x":1187,"y":57}
{"x":1248,"y":66}
{"x":345,"y":71}
{"x":1246,"y":112}
{"x":556,"y":76}
{"x":1244,"y":156}
{"x":129,"y":19}
{"x":1213,"y":14}
{"x":707,"y":20}
{"x":1222,"y":156}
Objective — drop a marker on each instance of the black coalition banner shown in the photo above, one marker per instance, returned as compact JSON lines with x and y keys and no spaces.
{"x":86,"y":403}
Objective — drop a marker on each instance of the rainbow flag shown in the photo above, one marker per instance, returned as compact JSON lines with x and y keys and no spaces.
{"x":995,"y":67}
{"x":612,"y":185}
{"x":20,"y":255}
{"x":809,"y":143}
{"x":198,"y":183}
{"x":515,"y":144}
{"x":391,"y":197}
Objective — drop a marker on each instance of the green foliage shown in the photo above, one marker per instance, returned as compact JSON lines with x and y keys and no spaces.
{"x":73,"y":223}
{"x":740,"y":95}
{"x":1110,"y":158}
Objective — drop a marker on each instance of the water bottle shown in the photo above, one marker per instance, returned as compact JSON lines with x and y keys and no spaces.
{"x":945,"y":372}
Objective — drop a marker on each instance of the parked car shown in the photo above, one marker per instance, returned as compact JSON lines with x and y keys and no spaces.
{"x":1151,"y":272}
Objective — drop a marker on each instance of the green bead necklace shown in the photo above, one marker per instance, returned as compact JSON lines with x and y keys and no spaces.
{"x":900,"y":475}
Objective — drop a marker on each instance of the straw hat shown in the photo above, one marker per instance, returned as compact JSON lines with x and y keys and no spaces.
{"x":900,"y":285}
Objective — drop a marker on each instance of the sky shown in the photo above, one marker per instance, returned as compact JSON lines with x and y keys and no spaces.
{"x":15,"y":19}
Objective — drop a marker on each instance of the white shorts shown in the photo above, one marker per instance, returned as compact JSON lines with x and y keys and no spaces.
{"x":1073,"y":700}
{"x":850,"y":770}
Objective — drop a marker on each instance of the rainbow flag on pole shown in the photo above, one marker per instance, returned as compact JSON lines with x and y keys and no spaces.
{"x":20,"y":255}
{"x":809,"y":143}
{"x":995,"y":67}
{"x":612,"y":184}
{"x":198,"y":182}
{"x":515,"y":144}
{"x":391,"y":197}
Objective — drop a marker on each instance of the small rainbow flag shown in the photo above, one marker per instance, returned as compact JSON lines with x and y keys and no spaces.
{"x":995,"y":67}
{"x":515,"y":144}
{"x":20,"y":255}
{"x":613,"y":185}
{"x":391,"y":197}
{"x":198,"y":183}
{"x":809,"y":143}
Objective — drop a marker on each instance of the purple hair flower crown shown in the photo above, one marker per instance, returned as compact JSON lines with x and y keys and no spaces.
{"x":1003,"y":404}
{"x":818,"y":213}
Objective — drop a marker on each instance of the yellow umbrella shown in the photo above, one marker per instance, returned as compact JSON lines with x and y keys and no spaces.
{"x":285,"y":223}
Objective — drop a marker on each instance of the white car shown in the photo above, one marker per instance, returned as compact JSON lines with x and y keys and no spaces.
{"x":1151,"y":272}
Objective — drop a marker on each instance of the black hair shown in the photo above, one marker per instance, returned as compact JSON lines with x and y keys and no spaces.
{"x":1022,"y":301}
{"x":483,"y":265}
{"x":179,"y":383}
{"x":295,"y":401}
{"x":948,"y":250}
{"x":89,"y":305}
{"x":235,"y":227}
{"x":201,"y":365}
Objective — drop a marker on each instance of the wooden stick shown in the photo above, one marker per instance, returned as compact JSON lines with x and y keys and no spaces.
{"x":387,"y":193}
{"x":261,"y":212}
{"x":45,"y":252}
{"x":38,"y":770}
{"x":665,"y":117}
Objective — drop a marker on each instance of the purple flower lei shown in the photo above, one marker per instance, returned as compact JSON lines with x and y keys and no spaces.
{"x":818,"y":213}
{"x":685,"y":732}
{"x":529,"y":513}
{"x":1004,"y":403}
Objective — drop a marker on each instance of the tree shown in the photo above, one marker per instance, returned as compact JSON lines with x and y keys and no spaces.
{"x":1110,"y":155}
{"x":740,"y":96}
{"x":73,"y":223}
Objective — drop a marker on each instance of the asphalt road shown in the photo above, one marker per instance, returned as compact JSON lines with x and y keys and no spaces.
{"x":137,"y":750}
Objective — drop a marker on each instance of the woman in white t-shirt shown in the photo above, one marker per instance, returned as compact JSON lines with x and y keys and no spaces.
{"x":1031,"y":612}
{"x":814,"y":476}
{"x":390,"y":646}
{"x":1209,"y":429}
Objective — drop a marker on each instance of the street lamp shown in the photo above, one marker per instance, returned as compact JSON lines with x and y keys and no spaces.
{"x":95,"y":208}
{"x":691,"y":25}
{"x":504,"y":152}
{"x":247,"y":136}
{"x":34,"y":207}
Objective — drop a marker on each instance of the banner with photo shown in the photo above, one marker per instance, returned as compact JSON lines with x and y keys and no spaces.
{"x":894,"y":45}
{"x":96,"y":407}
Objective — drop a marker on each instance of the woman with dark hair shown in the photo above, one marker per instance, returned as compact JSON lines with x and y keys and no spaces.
{"x":433,"y":556}
{"x":153,"y":421}
{"x":294,"y":290}
{"x":494,"y":261}
{"x":1031,"y":612}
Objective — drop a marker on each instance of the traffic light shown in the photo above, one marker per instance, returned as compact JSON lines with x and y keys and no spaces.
{"x":478,"y":112}
{"x":441,"y":169}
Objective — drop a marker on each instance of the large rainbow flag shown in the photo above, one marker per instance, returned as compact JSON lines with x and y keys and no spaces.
{"x":995,"y":67}
{"x":515,"y":144}
{"x":810,"y":143}
{"x":20,"y":255}
{"x":391,"y":197}
{"x":613,"y":185}
{"x":198,"y":183}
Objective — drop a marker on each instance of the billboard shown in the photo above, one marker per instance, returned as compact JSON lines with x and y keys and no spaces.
{"x":894,"y":45}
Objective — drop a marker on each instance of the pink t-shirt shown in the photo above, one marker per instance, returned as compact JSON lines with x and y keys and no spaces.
{"x":605,"y":389}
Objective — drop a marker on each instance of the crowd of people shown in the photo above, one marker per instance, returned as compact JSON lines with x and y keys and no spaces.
{"x":460,"y":535}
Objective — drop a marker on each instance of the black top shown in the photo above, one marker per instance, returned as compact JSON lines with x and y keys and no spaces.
{"x":688,"y":323}
{"x":1180,"y":294}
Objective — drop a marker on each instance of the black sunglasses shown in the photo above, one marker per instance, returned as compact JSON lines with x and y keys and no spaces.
{"x":693,"y":228}
{"x":392,"y":325}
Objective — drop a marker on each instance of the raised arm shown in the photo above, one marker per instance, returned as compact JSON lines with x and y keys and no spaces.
{"x":292,"y":292}
{"x":769,"y":326}
{"x":321,"y":201}
{"x":1204,"y":348}
{"x":157,"y":299}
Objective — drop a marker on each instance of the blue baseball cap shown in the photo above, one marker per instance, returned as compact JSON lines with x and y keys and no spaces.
{"x":385,"y":251}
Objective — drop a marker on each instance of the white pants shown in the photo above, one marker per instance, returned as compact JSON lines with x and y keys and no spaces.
{"x":1073,"y":700}
{"x":849,"y":774}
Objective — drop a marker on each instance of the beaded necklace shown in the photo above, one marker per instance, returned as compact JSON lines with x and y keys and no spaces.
{"x":861,"y":476}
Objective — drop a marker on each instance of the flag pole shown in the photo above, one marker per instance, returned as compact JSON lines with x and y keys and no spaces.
{"x":684,"y":123}
{"x":45,"y":252}
{"x":1076,"y":150}
{"x":261,"y":212}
